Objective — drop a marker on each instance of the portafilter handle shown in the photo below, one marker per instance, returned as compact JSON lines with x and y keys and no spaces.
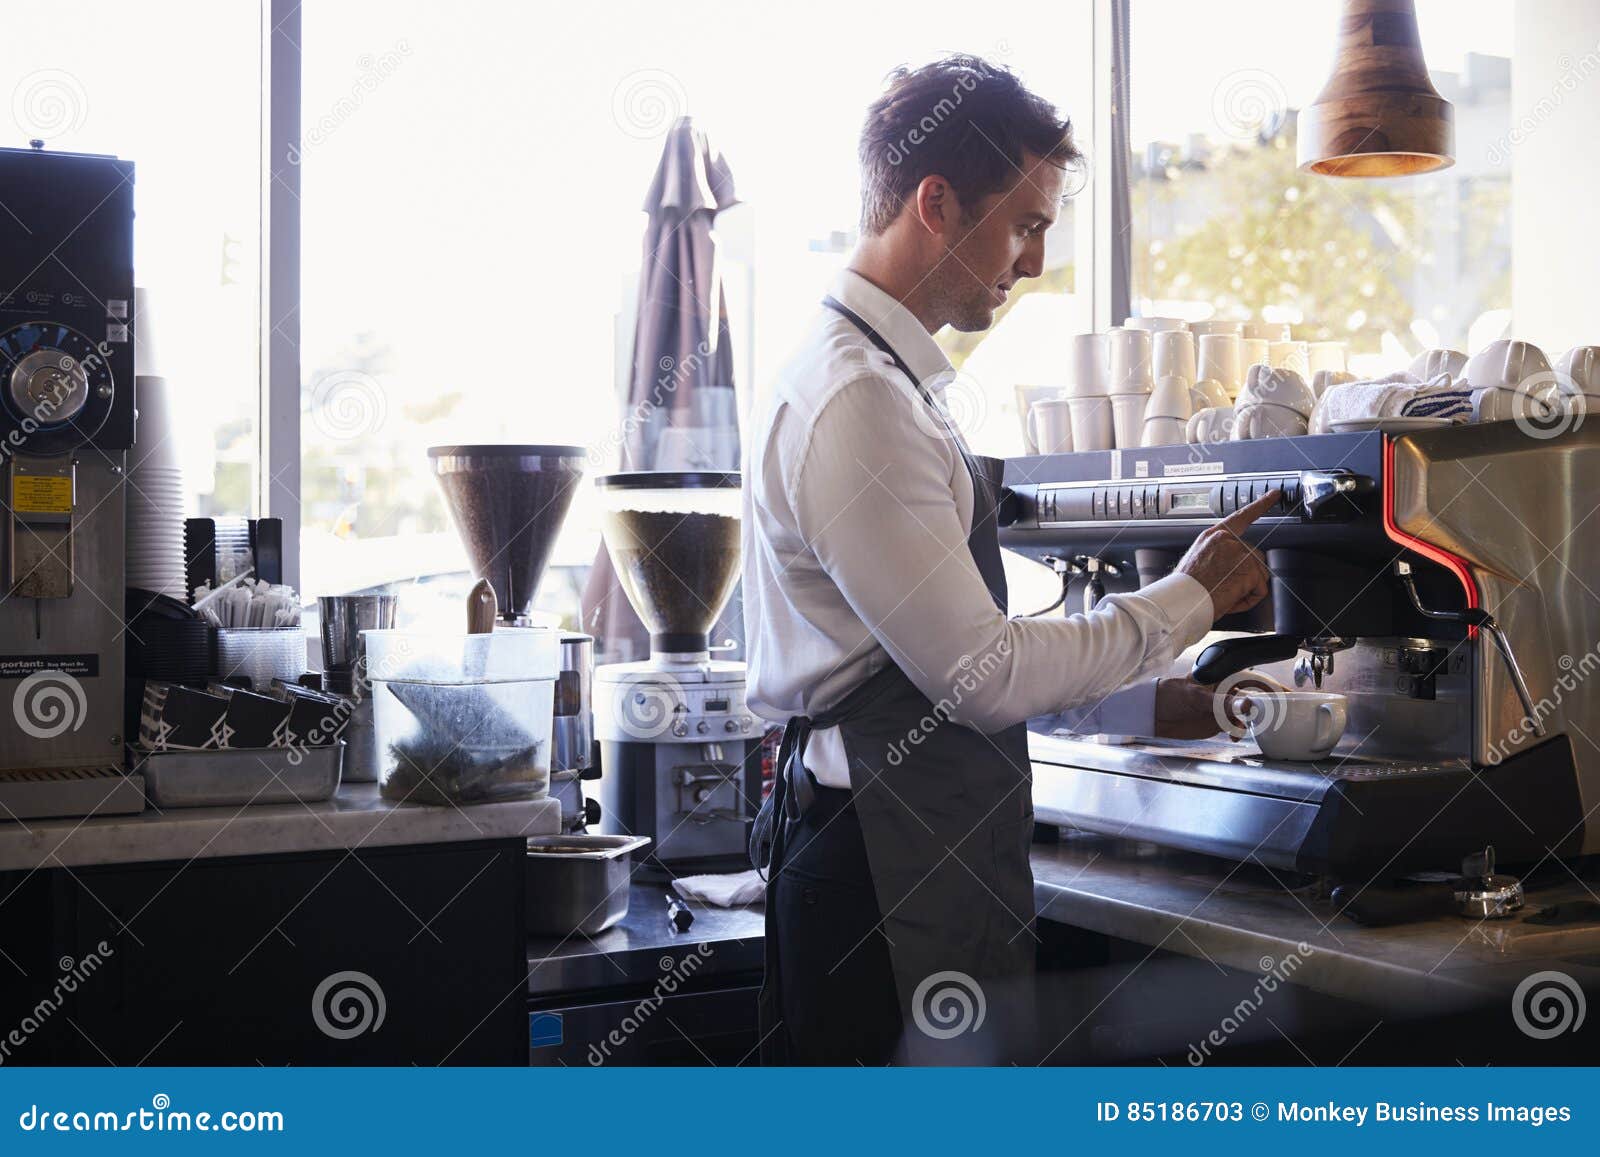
{"x":1227,"y":657}
{"x":1484,"y":621}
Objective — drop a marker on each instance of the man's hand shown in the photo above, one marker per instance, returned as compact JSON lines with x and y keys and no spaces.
{"x":1185,"y":710}
{"x":1220,"y":560}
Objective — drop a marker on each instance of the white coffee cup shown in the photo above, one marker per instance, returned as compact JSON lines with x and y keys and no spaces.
{"x":1088,"y":365}
{"x":1210,"y":425}
{"x":1127,"y":419}
{"x":1209,"y":392}
{"x":1267,"y":420}
{"x":1295,"y":725}
{"x":1091,"y":423}
{"x":1050,"y":425}
{"x":1290,"y":355}
{"x":1279,"y":385}
{"x":1172,"y":355}
{"x":1332,"y":356}
{"x":1155,"y":325}
{"x":1267,"y":331}
{"x":1161,"y":431}
{"x":1170,"y":399}
{"x":1214,"y":325}
{"x":1254,"y":351}
{"x":1429,"y":364}
{"x":1128,"y":362}
{"x":1505,"y":365}
{"x":1222,"y":360}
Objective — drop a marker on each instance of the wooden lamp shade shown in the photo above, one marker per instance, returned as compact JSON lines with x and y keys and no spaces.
{"x":1379,"y":114}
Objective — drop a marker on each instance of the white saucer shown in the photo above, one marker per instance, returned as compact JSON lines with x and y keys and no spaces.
{"x":1390,"y":425}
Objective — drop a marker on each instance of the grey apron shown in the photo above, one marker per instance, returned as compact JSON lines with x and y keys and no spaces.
{"x":946,"y":814}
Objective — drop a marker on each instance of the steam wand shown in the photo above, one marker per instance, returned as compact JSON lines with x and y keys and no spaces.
{"x":1482,"y":619}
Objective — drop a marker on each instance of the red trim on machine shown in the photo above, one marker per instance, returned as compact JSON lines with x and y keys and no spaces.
{"x":1444,"y":558}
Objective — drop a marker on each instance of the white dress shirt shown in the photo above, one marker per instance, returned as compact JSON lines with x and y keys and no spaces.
{"x":857,"y":507}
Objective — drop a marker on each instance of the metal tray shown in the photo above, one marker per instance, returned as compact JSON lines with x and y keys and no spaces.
{"x":578,"y":883}
{"x":245,"y":775}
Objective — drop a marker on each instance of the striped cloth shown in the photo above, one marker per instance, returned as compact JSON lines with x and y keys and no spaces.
{"x":1400,"y":395}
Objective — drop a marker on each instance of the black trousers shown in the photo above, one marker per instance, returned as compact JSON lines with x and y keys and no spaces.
{"x":836,"y":984}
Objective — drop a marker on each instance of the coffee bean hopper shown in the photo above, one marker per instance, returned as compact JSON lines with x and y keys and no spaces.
{"x":508,"y":503}
{"x":680,"y":751}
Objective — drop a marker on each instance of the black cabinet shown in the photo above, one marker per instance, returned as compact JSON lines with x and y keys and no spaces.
{"x":413,"y":955}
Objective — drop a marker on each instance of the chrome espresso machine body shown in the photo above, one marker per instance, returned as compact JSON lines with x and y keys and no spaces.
{"x":1437,"y":579}
{"x":66,"y":424}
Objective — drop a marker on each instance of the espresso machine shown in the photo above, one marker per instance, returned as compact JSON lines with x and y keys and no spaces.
{"x":66,"y":424}
{"x":680,"y":750}
{"x":508,"y":503}
{"x":1439,"y":580}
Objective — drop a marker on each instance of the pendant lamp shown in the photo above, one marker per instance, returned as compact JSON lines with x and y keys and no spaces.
{"x":1379,"y":114}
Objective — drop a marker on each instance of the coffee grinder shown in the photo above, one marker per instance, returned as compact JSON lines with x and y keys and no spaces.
{"x":66,"y":424}
{"x":680,"y":751}
{"x":508,"y":503}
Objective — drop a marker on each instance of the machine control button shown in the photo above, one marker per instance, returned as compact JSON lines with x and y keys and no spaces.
{"x":1136,"y":498}
{"x":1097,"y":504}
{"x":731,"y":725}
{"x":702,"y":727}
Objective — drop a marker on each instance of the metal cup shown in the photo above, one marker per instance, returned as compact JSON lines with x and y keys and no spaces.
{"x":344,"y":617}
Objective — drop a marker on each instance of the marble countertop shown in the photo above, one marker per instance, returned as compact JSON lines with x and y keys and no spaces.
{"x":1256,"y":920}
{"x":356,"y":817}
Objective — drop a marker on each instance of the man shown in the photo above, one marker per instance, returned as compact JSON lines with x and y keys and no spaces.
{"x":900,"y":903}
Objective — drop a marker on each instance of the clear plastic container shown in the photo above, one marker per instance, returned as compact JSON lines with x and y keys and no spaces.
{"x":463,"y":719}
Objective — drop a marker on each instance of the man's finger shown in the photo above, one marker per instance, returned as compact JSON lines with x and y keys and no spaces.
{"x":1245,"y":515}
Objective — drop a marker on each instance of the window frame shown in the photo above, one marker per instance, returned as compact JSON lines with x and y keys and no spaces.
{"x":1102,"y":236}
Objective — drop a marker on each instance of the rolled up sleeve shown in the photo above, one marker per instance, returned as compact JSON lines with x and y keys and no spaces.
{"x":873,"y":497}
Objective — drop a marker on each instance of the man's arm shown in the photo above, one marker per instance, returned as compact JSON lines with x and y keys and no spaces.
{"x":872,"y":495}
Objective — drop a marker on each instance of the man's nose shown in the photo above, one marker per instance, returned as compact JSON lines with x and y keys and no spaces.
{"x":1031,"y":263}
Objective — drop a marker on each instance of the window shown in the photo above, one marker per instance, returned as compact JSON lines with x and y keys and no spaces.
{"x":89,"y":76}
{"x":1224,"y":225}
{"x":471,"y":204}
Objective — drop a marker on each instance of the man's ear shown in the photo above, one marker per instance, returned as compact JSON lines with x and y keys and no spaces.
{"x":936,"y":205}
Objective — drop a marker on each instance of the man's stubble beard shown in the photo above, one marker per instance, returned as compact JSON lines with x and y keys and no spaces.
{"x":961,"y":301}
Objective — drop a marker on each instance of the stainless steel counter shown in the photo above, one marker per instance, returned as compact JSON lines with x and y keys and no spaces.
{"x":1244,"y":917}
{"x":644,"y":947}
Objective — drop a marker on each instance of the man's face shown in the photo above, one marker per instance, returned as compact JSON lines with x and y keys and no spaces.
{"x":995,"y":243}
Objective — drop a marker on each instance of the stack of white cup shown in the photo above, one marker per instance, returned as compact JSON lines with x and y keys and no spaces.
{"x":156,"y":496}
{"x":1128,"y":367}
{"x":1167,"y":410}
{"x":1086,"y":396}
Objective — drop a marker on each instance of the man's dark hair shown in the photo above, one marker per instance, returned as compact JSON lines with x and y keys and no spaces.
{"x":962,"y":118}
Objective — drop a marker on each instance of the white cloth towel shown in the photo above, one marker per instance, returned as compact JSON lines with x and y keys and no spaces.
{"x":1398,"y":395}
{"x":733,"y":891}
